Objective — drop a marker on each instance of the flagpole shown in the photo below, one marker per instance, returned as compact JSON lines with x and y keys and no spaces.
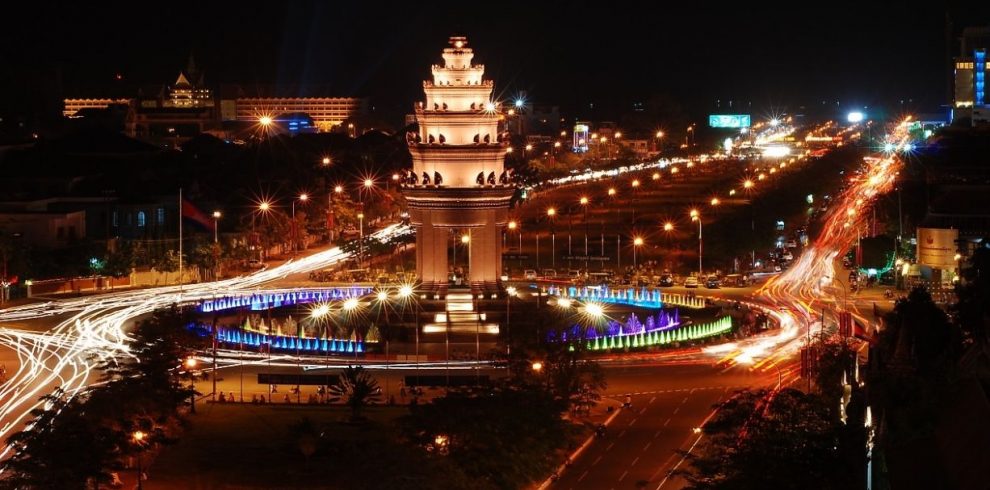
{"x":180,"y":240}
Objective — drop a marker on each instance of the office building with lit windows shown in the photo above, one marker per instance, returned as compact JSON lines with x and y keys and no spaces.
{"x":240,"y":104}
{"x":970,"y":76}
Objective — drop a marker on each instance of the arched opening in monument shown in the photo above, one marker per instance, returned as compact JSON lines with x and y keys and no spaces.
{"x":459,"y":245}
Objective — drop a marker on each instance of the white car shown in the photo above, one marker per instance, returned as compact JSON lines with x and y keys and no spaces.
{"x":530,"y":275}
{"x":691,"y":282}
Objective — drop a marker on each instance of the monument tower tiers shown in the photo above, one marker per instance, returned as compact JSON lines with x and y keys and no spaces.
{"x":458,"y":191}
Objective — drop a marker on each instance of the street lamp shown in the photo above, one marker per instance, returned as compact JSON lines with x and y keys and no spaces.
{"x":138,"y":438}
{"x":715,"y":201}
{"x":635,"y":185}
{"x":637,"y":242}
{"x":537,"y":366}
{"x":668,"y":226}
{"x":265,"y":121}
{"x":748,"y":184}
{"x":696,"y":216}
{"x":326,"y":161}
{"x":510,"y":292}
{"x":551,"y":212}
{"x":514,"y":225}
{"x":216,"y":217}
{"x":295,"y":234}
{"x":190,"y":364}
{"x":361,"y":238}
{"x":584,"y":205}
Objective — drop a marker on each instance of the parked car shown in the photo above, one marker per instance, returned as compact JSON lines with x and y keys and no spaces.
{"x":666,"y":280}
{"x":530,"y":275}
{"x":691,"y":282}
{"x":737,"y":280}
{"x":255,"y":264}
{"x":549,"y":274}
{"x":712,"y":282}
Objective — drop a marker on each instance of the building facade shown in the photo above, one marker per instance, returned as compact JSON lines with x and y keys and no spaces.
{"x":971,"y":74}
{"x":458,"y":192}
{"x":72,"y":106}
{"x":326,"y":112}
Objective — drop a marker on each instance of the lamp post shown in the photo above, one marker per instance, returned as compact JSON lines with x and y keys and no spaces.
{"x":584,"y":205}
{"x":513,"y":226}
{"x":611,"y":194}
{"x":216,"y":240}
{"x":466,"y":240}
{"x":634,"y":185}
{"x":295,"y":229}
{"x":696,"y":216}
{"x":361,"y":239}
{"x":216,"y":222}
{"x":337,"y":190}
{"x":551,"y":213}
{"x":659,"y":136}
{"x":509,"y":293}
{"x":190,"y":364}
{"x":748,"y":184}
{"x":138,"y":438}
{"x":637,"y":242}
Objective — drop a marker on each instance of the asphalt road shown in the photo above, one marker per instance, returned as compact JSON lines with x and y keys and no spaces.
{"x":640,"y":447}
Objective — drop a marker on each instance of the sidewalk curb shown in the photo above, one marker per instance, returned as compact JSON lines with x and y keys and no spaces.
{"x":577,"y":452}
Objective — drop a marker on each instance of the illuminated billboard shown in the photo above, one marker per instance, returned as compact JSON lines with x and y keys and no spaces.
{"x":729,"y":120}
{"x":581,"y":137}
{"x":937,"y":247}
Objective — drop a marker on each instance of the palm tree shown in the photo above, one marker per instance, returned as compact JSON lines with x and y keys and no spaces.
{"x":357,"y":388}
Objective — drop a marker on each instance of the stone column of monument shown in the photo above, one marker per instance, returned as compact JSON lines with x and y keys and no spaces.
{"x":458,"y":181}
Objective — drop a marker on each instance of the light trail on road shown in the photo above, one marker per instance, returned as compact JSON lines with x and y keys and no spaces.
{"x":791,"y":296}
{"x":67,"y":355}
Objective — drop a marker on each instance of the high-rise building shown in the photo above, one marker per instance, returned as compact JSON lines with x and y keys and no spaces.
{"x":970,"y":98}
{"x":458,"y":192}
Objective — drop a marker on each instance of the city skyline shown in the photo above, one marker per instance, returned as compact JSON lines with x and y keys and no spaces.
{"x":699,"y":60}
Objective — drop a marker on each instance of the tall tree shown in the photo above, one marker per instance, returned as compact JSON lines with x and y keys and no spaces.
{"x":62,"y":448}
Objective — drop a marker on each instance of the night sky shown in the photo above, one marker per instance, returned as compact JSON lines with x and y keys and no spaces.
{"x":560,"y":53}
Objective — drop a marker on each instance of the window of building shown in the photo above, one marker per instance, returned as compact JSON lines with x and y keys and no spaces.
{"x":140,"y":219}
{"x":114,"y":218}
{"x":160,"y":218}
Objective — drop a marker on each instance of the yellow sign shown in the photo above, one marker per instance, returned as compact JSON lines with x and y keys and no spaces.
{"x":937,"y":247}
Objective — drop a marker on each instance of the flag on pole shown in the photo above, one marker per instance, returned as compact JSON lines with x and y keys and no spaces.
{"x":194,"y":214}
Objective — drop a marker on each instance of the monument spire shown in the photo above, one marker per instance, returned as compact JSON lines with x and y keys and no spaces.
{"x":458,"y":144}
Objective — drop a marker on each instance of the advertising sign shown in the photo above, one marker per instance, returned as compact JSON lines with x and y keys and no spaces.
{"x":937,"y":247}
{"x":729,"y":120}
